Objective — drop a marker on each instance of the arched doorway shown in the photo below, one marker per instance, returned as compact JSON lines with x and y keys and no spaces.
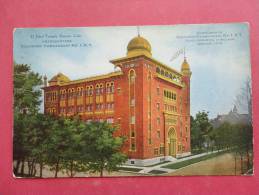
{"x":172,"y":142}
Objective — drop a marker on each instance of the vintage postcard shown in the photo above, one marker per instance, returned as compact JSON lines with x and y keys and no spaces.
{"x":132,"y":101}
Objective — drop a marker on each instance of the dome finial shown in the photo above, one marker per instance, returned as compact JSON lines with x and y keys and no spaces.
{"x":138,"y":31}
{"x":139,"y":46}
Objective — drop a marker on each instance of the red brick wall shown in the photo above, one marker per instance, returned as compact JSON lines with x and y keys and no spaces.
{"x":121,"y":108}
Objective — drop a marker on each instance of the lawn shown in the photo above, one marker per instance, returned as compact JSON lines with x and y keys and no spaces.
{"x":157,"y":172}
{"x":129,"y":169}
{"x":191,"y":161}
{"x":157,"y":164}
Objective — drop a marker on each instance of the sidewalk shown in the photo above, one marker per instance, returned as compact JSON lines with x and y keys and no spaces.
{"x":146,"y":170}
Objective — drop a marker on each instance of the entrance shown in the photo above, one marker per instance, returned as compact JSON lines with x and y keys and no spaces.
{"x":172,"y":142}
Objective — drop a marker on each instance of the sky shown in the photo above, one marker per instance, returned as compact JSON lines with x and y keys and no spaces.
{"x":218,"y":54}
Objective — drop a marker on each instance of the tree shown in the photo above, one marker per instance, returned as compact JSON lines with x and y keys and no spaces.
{"x":72,"y":161}
{"x":244,"y":98}
{"x":223,"y":136}
{"x":200,"y":129}
{"x":100,"y":149}
{"x":243,"y":143}
{"x":41,"y":130}
{"x":244,"y":102}
{"x":26,"y":104}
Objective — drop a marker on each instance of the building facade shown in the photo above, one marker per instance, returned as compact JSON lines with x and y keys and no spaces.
{"x":148,"y":100}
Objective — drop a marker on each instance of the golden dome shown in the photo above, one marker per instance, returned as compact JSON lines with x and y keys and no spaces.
{"x":59,"y":79}
{"x":139,"y":46}
{"x":185,"y":65}
{"x":185,"y":68}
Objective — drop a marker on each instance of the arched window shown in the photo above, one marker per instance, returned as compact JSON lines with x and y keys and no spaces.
{"x":158,"y":70}
{"x":132,"y":76}
{"x":162,"y":72}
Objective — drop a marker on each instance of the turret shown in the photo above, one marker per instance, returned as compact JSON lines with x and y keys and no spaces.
{"x":45,"y":81}
{"x":185,"y":69}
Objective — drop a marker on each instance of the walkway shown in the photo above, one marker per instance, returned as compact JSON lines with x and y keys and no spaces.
{"x":147,"y":170}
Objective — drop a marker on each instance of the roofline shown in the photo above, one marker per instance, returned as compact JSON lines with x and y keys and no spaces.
{"x":149,"y":58}
{"x":93,"y":78}
{"x":88,"y":79}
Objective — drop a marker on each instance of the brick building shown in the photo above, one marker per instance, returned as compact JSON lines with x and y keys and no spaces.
{"x":149,"y":100}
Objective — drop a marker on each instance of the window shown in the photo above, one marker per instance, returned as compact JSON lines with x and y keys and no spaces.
{"x":132,"y":76}
{"x":162,"y":149}
{"x":186,"y":129}
{"x":110,"y":87}
{"x":133,"y":146}
{"x":149,"y":75}
{"x":149,"y":98}
{"x":80,"y":108}
{"x":158,"y":106}
{"x":110,"y":120}
{"x":158,"y":134}
{"x":89,"y":108}
{"x":132,"y":121}
{"x":158,"y":120}
{"x":157,"y":90}
{"x":156,"y":151}
{"x":132,"y":102}
{"x":99,"y":106}
{"x":149,"y":126}
{"x":132,"y":134}
{"x":158,"y":70}
{"x":110,"y":106}
{"x":162,"y":72}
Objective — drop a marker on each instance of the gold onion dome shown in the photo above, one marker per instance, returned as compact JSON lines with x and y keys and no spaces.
{"x":139,"y":46}
{"x":59,"y":79}
{"x":185,"y":67}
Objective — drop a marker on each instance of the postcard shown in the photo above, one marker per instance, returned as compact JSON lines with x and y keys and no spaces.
{"x":170,"y":100}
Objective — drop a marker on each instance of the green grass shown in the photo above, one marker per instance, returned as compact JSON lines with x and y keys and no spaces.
{"x":157,"y":172}
{"x":129,"y":169}
{"x":157,"y":164}
{"x":191,"y":161}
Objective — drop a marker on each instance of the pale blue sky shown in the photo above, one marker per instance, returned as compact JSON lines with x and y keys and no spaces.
{"x":218,"y":70}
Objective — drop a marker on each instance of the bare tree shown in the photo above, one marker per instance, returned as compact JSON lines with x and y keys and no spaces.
{"x":244,"y":99}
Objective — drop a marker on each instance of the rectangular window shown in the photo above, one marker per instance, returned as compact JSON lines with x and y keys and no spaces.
{"x":110,"y":120}
{"x":132,"y":121}
{"x":158,"y":106}
{"x":156,"y":151}
{"x":162,"y":149}
{"x":133,"y":146}
{"x":132,"y":102}
{"x":132,"y":134}
{"x":149,"y":126}
{"x":158,"y":91}
{"x":158,"y":134}
{"x":149,"y":98}
{"x":158,"y":120}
